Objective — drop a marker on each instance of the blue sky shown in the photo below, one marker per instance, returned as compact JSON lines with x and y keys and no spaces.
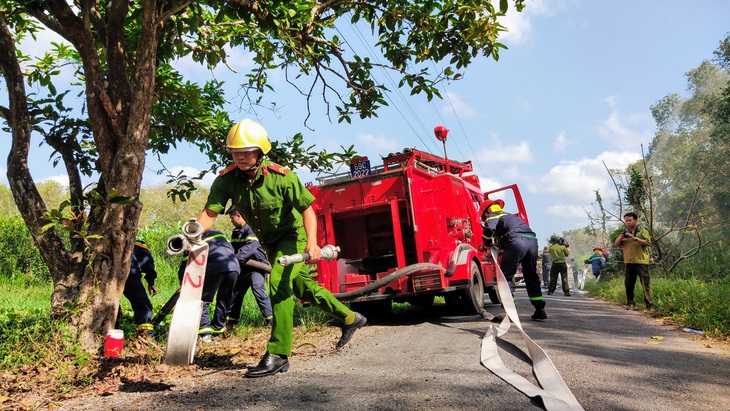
{"x":573,"y":90}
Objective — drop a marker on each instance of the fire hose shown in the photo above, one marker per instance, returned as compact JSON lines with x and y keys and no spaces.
{"x":330,"y":252}
{"x":170,"y":304}
{"x":553,"y":390}
{"x":373,"y":286}
{"x":178,"y":244}
{"x":183,"y":332}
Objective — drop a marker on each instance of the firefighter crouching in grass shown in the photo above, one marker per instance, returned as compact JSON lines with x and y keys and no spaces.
{"x":519,"y":246}
{"x":134,"y":290}
{"x":278,"y":208}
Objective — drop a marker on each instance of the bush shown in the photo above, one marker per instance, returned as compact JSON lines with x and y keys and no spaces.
{"x":19,"y":257}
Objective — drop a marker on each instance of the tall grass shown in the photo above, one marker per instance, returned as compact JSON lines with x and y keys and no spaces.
{"x":689,"y":303}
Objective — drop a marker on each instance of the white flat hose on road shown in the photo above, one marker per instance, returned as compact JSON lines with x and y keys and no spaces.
{"x":554,"y":392}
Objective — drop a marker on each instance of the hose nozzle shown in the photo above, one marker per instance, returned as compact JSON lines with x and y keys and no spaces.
{"x":329,"y":252}
{"x":177,"y":244}
{"x":192,"y":230}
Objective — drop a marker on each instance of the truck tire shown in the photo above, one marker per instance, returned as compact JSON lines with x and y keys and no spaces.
{"x":494,"y":295}
{"x":476,"y":288}
{"x":469,"y":300}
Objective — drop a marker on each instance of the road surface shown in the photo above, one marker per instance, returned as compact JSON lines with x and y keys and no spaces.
{"x":611,"y":359}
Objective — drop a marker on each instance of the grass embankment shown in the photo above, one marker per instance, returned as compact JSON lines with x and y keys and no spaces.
{"x":685,"y":303}
{"x":39,"y":367}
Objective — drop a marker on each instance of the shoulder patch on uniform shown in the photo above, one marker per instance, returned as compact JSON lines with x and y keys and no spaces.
{"x":227,"y":169}
{"x":278,"y":169}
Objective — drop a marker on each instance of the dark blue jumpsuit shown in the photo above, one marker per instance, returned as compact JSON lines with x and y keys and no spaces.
{"x":221,"y":273}
{"x":247,"y":247}
{"x":519,"y":246}
{"x":134,"y":290}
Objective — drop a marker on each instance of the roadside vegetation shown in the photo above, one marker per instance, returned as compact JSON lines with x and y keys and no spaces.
{"x":689,"y":303}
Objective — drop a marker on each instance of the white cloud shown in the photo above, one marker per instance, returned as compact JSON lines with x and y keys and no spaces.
{"x":500,"y":153}
{"x":379,"y":143}
{"x":519,"y":28}
{"x":578,"y":180}
{"x":560,"y":143}
{"x":455,"y":104}
{"x":566,"y":212}
{"x":61,"y":179}
{"x":519,"y":25}
{"x":625,"y":132}
{"x":489,"y":183}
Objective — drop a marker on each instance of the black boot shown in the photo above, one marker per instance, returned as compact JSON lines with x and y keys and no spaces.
{"x":539,"y":315}
{"x":349,"y":330}
{"x":270,"y":364}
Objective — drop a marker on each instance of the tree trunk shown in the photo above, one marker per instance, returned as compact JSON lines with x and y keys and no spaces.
{"x":89,"y":277}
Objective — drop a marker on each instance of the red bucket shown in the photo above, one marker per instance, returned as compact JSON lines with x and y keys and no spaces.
{"x":113,"y":343}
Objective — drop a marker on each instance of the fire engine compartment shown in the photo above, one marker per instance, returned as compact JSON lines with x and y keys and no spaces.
{"x":406,"y":212}
{"x":371,"y":223}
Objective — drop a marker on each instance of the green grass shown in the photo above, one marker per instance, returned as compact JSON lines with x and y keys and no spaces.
{"x":18,"y":295}
{"x":689,"y":303}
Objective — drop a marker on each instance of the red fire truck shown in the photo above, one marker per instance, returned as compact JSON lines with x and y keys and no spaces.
{"x":408,"y":230}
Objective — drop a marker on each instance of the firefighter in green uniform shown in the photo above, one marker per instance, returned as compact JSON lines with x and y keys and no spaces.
{"x":278,"y":207}
{"x":558,"y":255}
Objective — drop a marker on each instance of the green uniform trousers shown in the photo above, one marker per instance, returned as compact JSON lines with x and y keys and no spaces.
{"x":555,"y":269}
{"x":286,"y":285}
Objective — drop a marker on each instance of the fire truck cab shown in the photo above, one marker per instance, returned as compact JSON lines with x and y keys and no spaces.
{"x":408,"y":230}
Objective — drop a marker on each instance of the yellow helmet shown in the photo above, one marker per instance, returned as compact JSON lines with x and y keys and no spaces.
{"x":248,"y":134}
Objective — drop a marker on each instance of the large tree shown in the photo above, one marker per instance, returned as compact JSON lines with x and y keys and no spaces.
{"x":124,"y":54}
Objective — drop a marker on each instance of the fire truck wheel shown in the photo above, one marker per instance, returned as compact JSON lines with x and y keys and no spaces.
{"x":469,"y":300}
{"x":476,"y":288}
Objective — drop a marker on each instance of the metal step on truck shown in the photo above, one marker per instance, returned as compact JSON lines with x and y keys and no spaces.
{"x":407,"y":231}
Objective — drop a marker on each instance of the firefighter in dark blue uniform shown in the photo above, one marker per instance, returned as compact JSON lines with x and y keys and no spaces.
{"x":134,"y":290}
{"x":221,"y":273}
{"x":519,"y":246}
{"x":247,"y":247}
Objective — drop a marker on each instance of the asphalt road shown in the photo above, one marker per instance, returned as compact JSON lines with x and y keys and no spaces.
{"x":611,"y":359}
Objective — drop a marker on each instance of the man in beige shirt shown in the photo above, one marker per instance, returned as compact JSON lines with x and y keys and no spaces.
{"x":636,"y":242}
